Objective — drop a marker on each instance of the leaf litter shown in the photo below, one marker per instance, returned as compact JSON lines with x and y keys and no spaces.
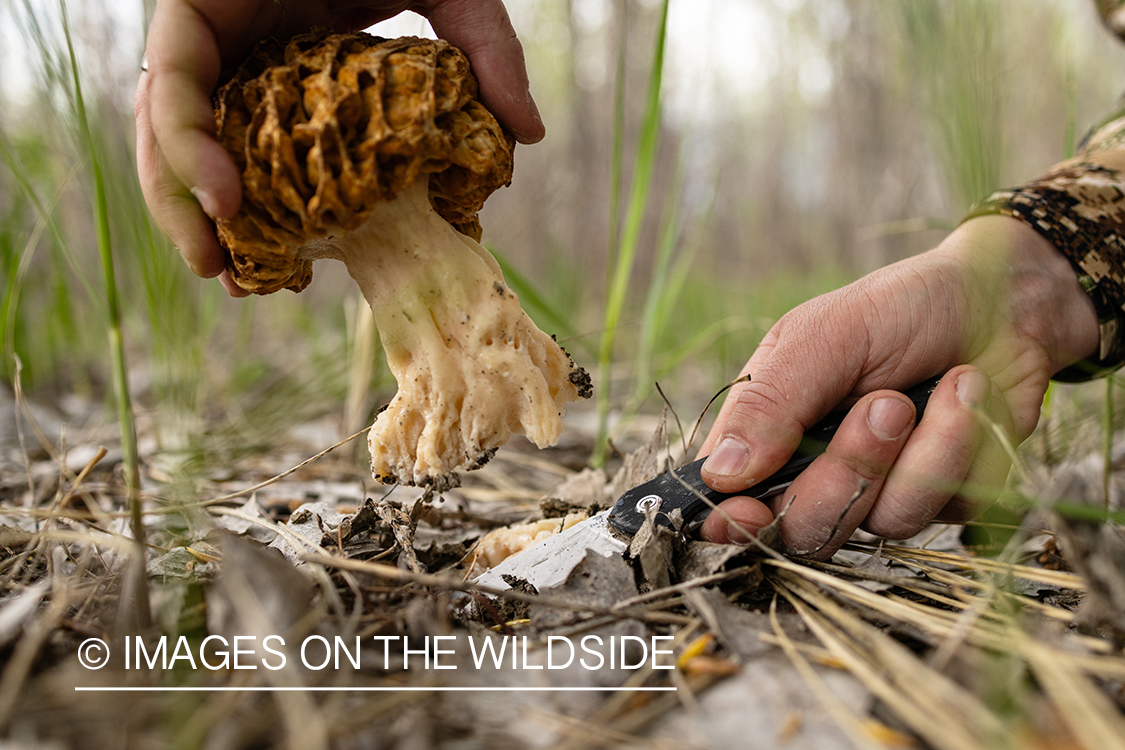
{"x":907,"y":644}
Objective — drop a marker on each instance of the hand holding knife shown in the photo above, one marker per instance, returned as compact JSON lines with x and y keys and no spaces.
{"x":549,"y":562}
{"x":668,"y":491}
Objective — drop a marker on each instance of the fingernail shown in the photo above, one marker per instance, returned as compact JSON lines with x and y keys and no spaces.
{"x":535,"y":133}
{"x":730,"y":459}
{"x":197,"y":269}
{"x":194,"y":268}
{"x":972,"y":388}
{"x":206,"y":201}
{"x":889,"y":417}
{"x":737,"y":533}
{"x":534,"y":108}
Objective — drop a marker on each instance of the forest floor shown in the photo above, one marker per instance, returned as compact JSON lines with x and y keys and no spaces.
{"x":318,"y":610}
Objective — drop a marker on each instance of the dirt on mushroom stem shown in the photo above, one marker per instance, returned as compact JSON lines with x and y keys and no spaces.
{"x":471,"y":366}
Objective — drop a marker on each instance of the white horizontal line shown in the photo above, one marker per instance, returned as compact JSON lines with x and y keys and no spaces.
{"x":264,"y":689}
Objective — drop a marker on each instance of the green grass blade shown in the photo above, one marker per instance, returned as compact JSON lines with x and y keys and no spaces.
{"x":627,"y":249}
{"x":1107,"y":441}
{"x":113,"y":308}
{"x":616,"y":165}
{"x":533,"y":301}
{"x":46,"y":213}
{"x":656,"y":300}
{"x":954,"y":53}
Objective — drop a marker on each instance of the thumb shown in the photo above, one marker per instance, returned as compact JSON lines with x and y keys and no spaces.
{"x":482,"y":29}
{"x":802,"y":370}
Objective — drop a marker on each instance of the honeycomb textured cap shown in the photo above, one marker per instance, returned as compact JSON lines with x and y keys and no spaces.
{"x":324,"y":126}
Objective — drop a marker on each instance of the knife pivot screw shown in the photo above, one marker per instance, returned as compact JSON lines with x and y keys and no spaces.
{"x":649,"y":502}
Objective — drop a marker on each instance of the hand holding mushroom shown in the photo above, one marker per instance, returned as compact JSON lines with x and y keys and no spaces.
{"x":378,"y":153}
{"x":187,"y":177}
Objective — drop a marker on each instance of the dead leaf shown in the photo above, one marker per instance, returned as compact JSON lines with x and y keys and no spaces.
{"x":735,"y":628}
{"x":588,"y":488}
{"x":180,"y":563}
{"x":700,"y":559}
{"x":643,"y":464}
{"x":598,"y":582}
{"x":250,"y":511}
{"x":258,"y":592}
{"x":651,"y":549}
{"x":18,"y":609}
{"x":13,"y":537}
{"x":308,"y":522}
{"x":876,"y":566}
{"x":403,"y":529}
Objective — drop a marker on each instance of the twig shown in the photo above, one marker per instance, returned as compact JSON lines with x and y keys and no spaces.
{"x":702,"y":414}
{"x":81,"y":477}
{"x":23,"y":657}
{"x":675,"y":416}
{"x":267,"y":482}
{"x":848,"y":722}
{"x":455,"y":584}
{"x":863,"y":485}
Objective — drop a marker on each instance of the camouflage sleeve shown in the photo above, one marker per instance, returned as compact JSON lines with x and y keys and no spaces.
{"x":1079,"y":205}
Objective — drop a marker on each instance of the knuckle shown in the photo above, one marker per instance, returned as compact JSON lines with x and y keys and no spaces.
{"x":897,"y":523}
{"x":759,"y":403}
{"x":960,"y":509}
{"x":760,"y":396}
{"x":865,"y":467}
{"x":864,"y":456}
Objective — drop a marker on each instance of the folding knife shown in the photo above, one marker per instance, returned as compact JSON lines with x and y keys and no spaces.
{"x":549,"y":562}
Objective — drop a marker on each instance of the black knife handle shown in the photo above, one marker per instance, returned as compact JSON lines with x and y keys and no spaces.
{"x":668,"y":492}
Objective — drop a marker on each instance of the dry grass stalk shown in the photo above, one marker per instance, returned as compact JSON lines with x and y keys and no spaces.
{"x":959,"y":585}
{"x":944,"y":714}
{"x":851,"y":724}
{"x":266,"y":483}
{"x":980,"y":564}
{"x":1089,"y":713}
{"x":16,"y":672}
{"x":991,"y":632}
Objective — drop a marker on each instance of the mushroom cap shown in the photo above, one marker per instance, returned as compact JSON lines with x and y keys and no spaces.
{"x":326,"y":125}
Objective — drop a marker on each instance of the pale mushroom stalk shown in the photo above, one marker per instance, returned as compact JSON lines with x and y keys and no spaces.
{"x":470,"y":364}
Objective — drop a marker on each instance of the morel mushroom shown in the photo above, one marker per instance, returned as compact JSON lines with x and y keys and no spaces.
{"x":377,"y":153}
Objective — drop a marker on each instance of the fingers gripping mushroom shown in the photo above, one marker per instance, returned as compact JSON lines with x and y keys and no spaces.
{"x":377,"y":153}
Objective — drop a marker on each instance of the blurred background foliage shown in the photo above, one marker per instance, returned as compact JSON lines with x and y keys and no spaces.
{"x":801,"y":143}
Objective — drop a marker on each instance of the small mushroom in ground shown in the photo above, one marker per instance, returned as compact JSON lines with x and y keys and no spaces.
{"x":499,"y":544}
{"x":377,"y":153}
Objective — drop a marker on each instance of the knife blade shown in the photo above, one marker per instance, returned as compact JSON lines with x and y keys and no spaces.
{"x":549,"y":562}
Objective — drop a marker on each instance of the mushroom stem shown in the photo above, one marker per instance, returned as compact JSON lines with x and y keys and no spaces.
{"x":471,"y":366}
